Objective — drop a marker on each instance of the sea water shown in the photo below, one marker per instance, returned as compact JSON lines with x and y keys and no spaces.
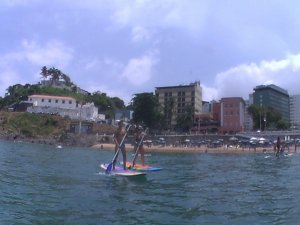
{"x":42,"y":184}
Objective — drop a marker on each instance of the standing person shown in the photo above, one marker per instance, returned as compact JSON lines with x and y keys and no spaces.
{"x":139,"y":145}
{"x":118,"y":136}
{"x":278,"y":145}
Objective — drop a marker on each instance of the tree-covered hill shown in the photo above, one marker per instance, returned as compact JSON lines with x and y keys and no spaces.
{"x":18,"y":92}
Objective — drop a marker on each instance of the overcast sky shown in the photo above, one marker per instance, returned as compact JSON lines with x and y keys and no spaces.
{"x":131,"y":46}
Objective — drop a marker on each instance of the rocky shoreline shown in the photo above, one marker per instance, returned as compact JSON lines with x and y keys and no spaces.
{"x":71,"y":140}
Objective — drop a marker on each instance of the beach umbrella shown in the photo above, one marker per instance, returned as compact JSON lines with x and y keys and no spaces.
{"x":233,"y":139}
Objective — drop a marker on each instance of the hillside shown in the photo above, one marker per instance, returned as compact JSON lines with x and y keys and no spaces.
{"x":31,"y":125}
{"x":46,"y":129}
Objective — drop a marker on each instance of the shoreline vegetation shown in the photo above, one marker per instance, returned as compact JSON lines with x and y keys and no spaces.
{"x":202,"y":149}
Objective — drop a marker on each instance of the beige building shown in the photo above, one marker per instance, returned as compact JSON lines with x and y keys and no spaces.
{"x":178,"y":100}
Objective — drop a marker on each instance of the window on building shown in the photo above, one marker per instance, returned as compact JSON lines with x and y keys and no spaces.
{"x":183,"y":93}
{"x":63,"y":101}
{"x":30,"y":99}
{"x":70,"y":102}
{"x":56,"y":101}
{"x":49,"y":100}
{"x":43,"y":100}
{"x":179,"y":93}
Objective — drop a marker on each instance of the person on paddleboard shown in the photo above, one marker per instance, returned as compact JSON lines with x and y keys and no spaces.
{"x":118,"y":136}
{"x":139,"y":145}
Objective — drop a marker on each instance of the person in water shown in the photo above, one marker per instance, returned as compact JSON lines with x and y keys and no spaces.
{"x":139,"y":145}
{"x":278,"y":146}
{"x":118,"y":137}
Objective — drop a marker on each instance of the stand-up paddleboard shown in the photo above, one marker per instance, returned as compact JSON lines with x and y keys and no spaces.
{"x":142,"y":168}
{"x":121,"y":172}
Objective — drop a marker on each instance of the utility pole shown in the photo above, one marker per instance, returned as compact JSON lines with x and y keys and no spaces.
{"x":199,"y":124}
{"x":260,"y":108}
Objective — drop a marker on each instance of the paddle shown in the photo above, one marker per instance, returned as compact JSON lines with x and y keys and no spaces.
{"x":138,"y":146}
{"x":109,"y":167}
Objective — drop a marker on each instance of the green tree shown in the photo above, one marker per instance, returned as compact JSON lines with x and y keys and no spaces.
{"x":282,"y":125}
{"x":266,"y":117}
{"x":119,"y":103}
{"x":146,"y":110}
{"x":169,"y":112}
{"x":55,"y":75}
{"x":185,"y":120}
{"x":67,"y":79}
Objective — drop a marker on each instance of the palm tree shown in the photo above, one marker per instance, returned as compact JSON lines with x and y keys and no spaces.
{"x":44,"y":72}
{"x":67,"y":79}
{"x":55,"y":74}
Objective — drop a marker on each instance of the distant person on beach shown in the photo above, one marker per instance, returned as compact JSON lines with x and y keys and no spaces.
{"x":118,"y":136}
{"x":139,"y":145}
{"x":278,"y":145}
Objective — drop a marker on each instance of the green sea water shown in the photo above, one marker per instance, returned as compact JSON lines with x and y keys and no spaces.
{"x":42,"y":184}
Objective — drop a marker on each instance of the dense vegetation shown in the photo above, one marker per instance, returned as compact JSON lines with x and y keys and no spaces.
{"x":146,"y":111}
{"x":267,"y":118}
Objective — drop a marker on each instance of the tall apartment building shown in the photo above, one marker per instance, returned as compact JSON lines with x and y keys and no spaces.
{"x":295,"y":111}
{"x":274,"y":97}
{"x":175,"y":100}
{"x":232,"y":115}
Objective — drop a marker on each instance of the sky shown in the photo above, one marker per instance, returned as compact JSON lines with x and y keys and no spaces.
{"x":125,"y":47}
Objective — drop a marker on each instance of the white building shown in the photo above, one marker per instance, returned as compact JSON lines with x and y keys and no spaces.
{"x":62,"y":102}
{"x":64,"y":106}
{"x":295,"y":111}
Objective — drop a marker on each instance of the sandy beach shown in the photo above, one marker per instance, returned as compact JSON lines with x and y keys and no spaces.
{"x":202,"y":149}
